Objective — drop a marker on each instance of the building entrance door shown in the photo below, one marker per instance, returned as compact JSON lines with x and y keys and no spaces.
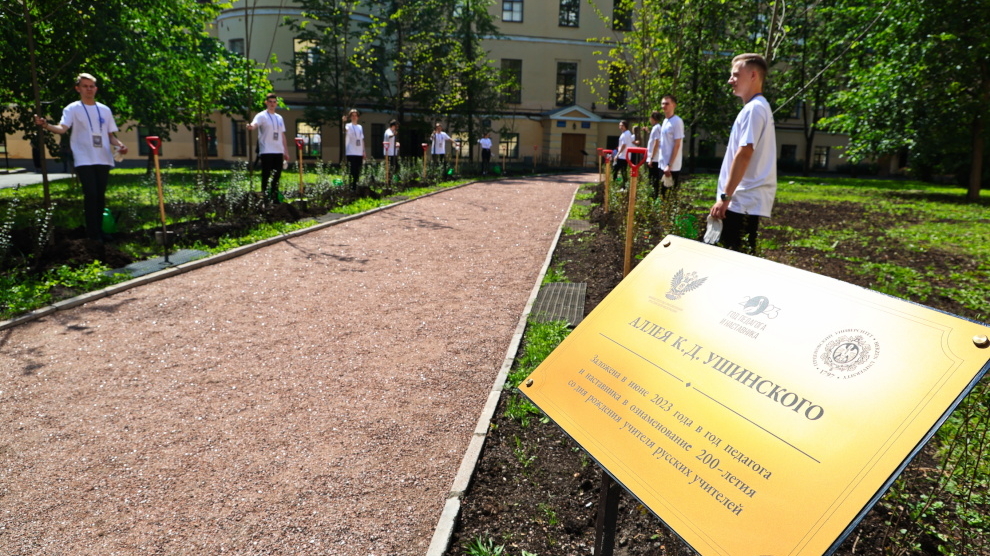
{"x":571,"y":145}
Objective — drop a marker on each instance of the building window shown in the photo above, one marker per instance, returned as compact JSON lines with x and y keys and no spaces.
{"x":312,"y":140}
{"x":788,"y":153}
{"x":306,"y":55}
{"x":239,"y":133}
{"x":618,"y":85}
{"x":236,"y":46}
{"x":508,"y":145}
{"x":143,"y":148}
{"x":821,"y":157}
{"x":512,"y":78}
{"x":798,"y":112}
{"x":570,"y":13}
{"x":566,"y":83}
{"x":512,"y":10}
{"x":622,"y":15}
{"x":211,"y":140}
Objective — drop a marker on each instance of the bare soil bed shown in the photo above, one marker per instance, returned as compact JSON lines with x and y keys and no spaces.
{"x":312,"y":397}
{"x":534,"y":489}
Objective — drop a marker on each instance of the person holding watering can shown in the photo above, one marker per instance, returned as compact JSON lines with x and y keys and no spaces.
{"x":91,"y":141}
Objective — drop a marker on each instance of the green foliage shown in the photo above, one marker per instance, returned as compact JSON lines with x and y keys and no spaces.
{"x":21,"y":292}
{"x":540,"y":339}
{"x":484,"y":547}
{"x":229,"y":198}
{"x":918,"y":82}
{"x":554,"y":274}
{"x":523,"y":454}
{"x":549,"y":513}
{"x":523,"y":411}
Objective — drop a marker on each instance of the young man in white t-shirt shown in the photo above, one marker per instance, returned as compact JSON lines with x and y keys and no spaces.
{"x":747,"y":183}
{"x":354,"y":146}
{"x":653,"y":152}
{"x":273,"y":150}
{"x":93,"y":134}
{"x":671,"y":137}
{"x":622,"y":151}
{"x":392,"y":146}
{"x":438,"y":146}
{"x":486,"y":152}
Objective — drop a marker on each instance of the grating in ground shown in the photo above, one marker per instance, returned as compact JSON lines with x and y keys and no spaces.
{"x":560,"y":301}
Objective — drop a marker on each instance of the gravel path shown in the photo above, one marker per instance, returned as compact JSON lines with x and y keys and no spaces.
{"x":312,"y":397}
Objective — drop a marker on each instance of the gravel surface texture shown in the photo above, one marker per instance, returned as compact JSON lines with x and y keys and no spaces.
{"x":311,"y":397}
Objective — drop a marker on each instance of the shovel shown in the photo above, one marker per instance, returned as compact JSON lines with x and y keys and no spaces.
{"x":631,"y":212}
{"x":607,"y":153}
{"x":385,"y":148}
{"x":300,"y":142}
{"x":155,"y":143}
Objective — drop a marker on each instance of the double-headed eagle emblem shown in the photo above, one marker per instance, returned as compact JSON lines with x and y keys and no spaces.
{"x":683,"y":283}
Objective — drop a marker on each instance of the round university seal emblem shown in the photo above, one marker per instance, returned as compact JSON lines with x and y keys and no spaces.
{"x":846,"y":354}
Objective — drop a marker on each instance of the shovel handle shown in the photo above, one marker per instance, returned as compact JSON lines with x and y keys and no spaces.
{"x":642,"y":159}
{"x":155,"y":142}
{"x":300,"y":142}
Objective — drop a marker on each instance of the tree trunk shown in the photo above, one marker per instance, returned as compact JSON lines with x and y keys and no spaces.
{"x":976,"y":162}
{"x":39,"y":135}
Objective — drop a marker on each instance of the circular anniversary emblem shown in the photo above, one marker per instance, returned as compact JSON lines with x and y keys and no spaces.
{"x":846,"y":354}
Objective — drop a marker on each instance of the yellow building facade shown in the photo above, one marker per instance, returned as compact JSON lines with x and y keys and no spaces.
{"x":553,"y":47}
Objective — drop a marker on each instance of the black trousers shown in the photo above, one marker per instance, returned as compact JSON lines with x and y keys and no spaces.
{"x":655,"y":175}
{"x":486,"y":160}
{"x":735,"y":227}
{"x":617,"y":165}
{"x":664,"y":191}
{"x":94,"y":180}
{"x":271,"y":169}
{"x":354,"y":163}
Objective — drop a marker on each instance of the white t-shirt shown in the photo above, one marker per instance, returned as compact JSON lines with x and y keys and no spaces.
{"x":653,"y":143}
{"x":91,"y":128}
{"x":270,"y":128}
{"x":439,"y":143}
{"x":390,"y":137}
{"x":625,"y":139}
{"x":672,"y":129}
{"x":758,"y":187}
{"x":486,"y":143}
{"x":354,"y":139}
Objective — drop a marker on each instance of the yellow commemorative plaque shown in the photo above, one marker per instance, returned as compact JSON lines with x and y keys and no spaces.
{"x":757,"y":409}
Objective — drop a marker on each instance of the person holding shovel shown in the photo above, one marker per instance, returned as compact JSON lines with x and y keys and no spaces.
{"x":272,"y":147}
{"x":747,"y":182}
{"x":93,"y":135}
